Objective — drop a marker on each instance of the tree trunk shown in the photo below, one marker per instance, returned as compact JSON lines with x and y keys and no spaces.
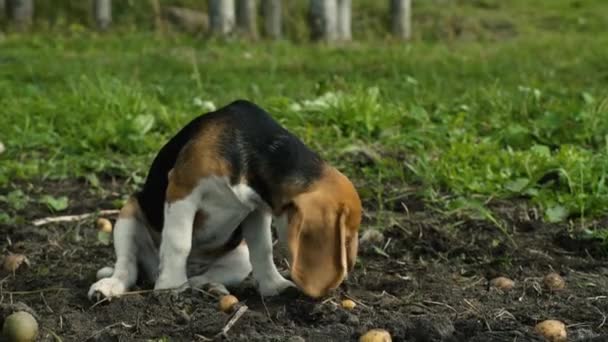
{"x":20,"y":12}
{"x":246,"y":18}
{"x":158,"y":18}
{"x":344,"y":20}
{"x":102,"y":11}
{"x":401,"y":13}
{"x":323,"y":20}
{"x":221,"y":16}
{"x":271,"y":10}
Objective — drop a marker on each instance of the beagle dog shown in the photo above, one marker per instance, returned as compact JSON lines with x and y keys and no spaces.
{"x":204,"y":213}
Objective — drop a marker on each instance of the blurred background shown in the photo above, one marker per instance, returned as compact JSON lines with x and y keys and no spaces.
{"x":473,"y":99}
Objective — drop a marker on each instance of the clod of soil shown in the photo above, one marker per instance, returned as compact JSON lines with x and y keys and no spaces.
{"x":227,"y":303}
{"x":554,"y":282}
{"x":20,"y":327}
{"x":104,"y":225}
{"x":348,"y":304}
{"x":12,"y":262}
{"x":376,"y":335}
{"x":502,"y":283}
{"x":552,"y":330}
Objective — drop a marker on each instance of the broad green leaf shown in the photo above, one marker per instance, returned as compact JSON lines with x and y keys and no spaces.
{"x":92,"y":179}
{"x":517,"y":185}
{"x":15,"y":199}
{"x":588,"y":98}
{"x":55,"y":203}
{"x":556,"y":213}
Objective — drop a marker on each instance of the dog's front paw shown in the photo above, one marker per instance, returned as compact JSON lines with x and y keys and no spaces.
{"x":106,"y":288}
{"x":275,"y":287}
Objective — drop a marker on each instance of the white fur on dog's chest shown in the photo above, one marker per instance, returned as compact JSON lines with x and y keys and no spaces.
{"x":224,"y":207}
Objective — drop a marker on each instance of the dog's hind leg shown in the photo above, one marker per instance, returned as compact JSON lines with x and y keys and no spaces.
{"x":229,"y":270}
{"x":147,"y":257}
{"x":127,"y":231}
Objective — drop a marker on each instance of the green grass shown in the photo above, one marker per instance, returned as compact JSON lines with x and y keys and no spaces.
{"x":471,"y":117}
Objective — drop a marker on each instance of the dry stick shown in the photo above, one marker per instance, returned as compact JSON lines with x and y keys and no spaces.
{"x":603,"y":316}
{"x":105,"y":299}
{"x":46,"y":303}
{"x":206,"y":293}
{"x":36,"y":291}
{"x":232,"y":321}
{"x":102,"y":330}
{"x":440,"y":304}
{"x":356,"y":301}
{"x":479,"y":313}
{"x":71,"y":218}
{"x":266,"y":309}
{"x":129,"y":293}
{"x":57,"y":338}
{"x":202,"y":338}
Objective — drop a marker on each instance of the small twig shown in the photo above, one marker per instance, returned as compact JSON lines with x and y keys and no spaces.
{"x":103,"y":300}
{"x":232,"y":321}
{"x":504,"y":312}
{"x":57,"y":338}
{"x":266,"y":309}
{"x":71,"y":218}
{"x":103,"y":329}
{"x":329,"y":300}
{"x":356,"y":301}
{"x":479,"y":313}
{"x":440,"y":304}
{"x":603,"y":317}
{"x":129,"y":293}
{"x":206,"y":293}
{"x":386,"y":245}
{"x":46,"y":303}
{"x":35,"y":291}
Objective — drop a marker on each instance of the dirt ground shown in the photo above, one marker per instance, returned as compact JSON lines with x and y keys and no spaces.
{"x":427,"y":281}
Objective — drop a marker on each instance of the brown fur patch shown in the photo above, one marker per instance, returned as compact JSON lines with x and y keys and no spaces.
{"x":130,"y":209}
{"x":200,"y":158}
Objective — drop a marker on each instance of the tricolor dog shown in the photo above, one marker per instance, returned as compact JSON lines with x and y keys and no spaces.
{"x":204,"y":213}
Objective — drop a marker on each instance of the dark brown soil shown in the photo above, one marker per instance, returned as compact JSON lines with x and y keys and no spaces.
{"x":427,"y":281}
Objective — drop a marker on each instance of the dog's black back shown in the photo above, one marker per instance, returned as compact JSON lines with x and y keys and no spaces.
{"x":257,"y":148}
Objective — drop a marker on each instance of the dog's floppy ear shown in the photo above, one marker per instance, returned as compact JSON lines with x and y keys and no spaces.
{"x":320,"y":244}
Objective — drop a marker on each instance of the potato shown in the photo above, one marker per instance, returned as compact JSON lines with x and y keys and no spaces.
{"x":376,"y":335}
{"x":554,"y":282}
{"x":227,"y":303}
{"x":20,"y":327}
{"x":104,"y":225}
{"x":502,"y":283}
{"x":2,"y":148}
{"x":348,"y":304}
{"x":13,"y":261}
{"x":552,"y":330}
